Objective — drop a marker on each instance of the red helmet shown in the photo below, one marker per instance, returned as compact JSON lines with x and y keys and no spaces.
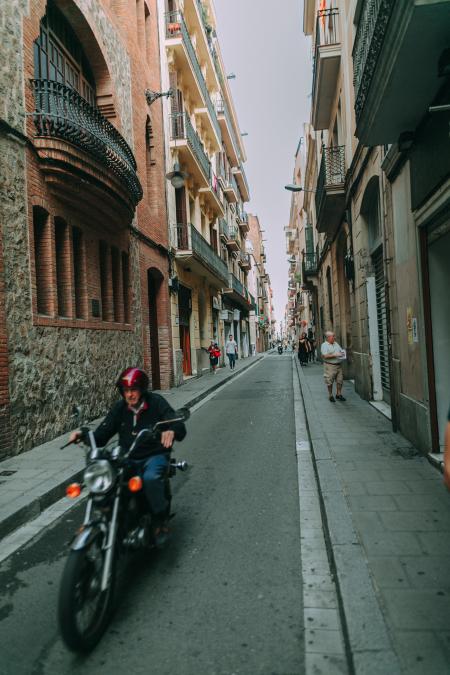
{"x":133,"y":377}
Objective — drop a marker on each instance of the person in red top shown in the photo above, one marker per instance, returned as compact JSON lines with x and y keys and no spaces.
{"x":214,"y":355}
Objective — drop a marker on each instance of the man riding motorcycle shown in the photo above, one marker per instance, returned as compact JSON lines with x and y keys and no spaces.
{"x":140,"y":409}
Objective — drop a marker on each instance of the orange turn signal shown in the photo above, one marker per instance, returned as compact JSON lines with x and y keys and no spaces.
{"x":73,"y":490}
{"x":135,"y":484}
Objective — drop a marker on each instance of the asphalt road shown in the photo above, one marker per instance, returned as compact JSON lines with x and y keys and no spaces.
{"x":225,"y":597}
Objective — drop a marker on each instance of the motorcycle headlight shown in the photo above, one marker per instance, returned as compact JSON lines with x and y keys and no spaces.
{"x":99,"y":477}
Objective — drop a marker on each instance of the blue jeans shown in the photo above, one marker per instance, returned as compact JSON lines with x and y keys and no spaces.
{"x":232,"y":360}
{"x":153,"y":470}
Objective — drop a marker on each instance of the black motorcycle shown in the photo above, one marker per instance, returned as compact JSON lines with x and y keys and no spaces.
{"x":117,"y":520}
{"x":280,"y":349}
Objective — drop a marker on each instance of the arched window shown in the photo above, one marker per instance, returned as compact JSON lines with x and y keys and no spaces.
{"x":58,"y":55}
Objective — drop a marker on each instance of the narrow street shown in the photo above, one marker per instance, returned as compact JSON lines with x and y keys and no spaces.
{"x":225,"y":597}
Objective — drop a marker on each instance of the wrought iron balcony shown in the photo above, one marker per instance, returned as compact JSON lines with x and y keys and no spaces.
{"x":243,"y":183}
{"x":233,"y":238}
{"x":191,"y":244}
{"x":228,"y":129}
{"x":397,"y":49}
{"x":327,"y":59}
{"x":213,"y":195}
{"x":309,"y":264}
{"x":175,"y":27}
{"x":238,"y":292}
{"x":330,"y":193}
{"x":244,"y":261}
{"x":181,"y":129}
{"x":373,"y":21}
{"x":223,"y":229}
{"x":61,"y":113}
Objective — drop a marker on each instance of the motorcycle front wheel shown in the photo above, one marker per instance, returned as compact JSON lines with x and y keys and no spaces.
{"x":84,"y":609}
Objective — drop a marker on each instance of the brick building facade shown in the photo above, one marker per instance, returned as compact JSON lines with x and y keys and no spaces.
{"x":83,"y":246}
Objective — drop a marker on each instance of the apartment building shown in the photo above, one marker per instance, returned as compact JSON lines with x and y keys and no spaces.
{"x":84,"y":248}
{"x":379,"y":171}
{"x":261,"y":287}
{"x":302,"y":258}
{"x":206,"y":190}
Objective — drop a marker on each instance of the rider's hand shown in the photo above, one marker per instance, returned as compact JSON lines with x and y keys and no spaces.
{"x":75,"y":437}
{"x":167,"y":438}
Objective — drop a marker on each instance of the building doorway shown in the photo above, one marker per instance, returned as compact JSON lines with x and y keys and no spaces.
{"x":154,"y":280}
{"x":377,"y":305}
{"x":439,"y":330}
{"x":184,"y":318}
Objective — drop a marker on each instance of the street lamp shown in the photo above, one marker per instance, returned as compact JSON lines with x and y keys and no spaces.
{"x":177,"y":177}
{"x":296,"y":188}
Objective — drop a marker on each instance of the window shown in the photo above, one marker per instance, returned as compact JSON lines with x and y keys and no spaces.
{"x":79,"y":273}
{"x":63,"y":267}
{"x":42,"y":260}
{"x":58,"y":55}
{"x":104,"y":281}
{"x":126,"y":287}
{"x":116,"y":281}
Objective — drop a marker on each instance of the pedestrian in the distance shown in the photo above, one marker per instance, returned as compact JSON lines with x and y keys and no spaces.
{"x":214,"y":355}
{"x":312,"y":346}
{"x":332,"y":355}
{"x":231,"y":351}
{"x":303,"y":349}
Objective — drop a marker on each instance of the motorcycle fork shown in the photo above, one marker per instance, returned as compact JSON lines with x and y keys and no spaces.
{"x":110,"y":544}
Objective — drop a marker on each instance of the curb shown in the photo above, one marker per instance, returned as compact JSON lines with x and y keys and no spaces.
{"x":366,"y":634}
{"x":37,"y":505}
{"x":326,"y":649}
{"x":41,"y":502}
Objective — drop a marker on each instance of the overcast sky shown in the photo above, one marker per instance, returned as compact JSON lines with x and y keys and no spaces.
{"x":263,"y":44}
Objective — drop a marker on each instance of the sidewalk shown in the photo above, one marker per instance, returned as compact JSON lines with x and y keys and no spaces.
{"x":387,"y":522}
{"x":32,"y":481}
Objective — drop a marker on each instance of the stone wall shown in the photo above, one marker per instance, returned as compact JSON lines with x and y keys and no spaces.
{"x":50,"y":368}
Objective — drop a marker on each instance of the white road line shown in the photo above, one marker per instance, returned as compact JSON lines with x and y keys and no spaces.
{"x":319,"y":591}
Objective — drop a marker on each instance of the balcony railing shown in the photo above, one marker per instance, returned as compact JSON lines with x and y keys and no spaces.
{"x":233,"y":232}
{"x":244,"y":178}
{"x":222,"y":109}
{"x":368,"y":44}
{"x":327,"y":34}
{"x":60,"y":112}
{"x":332,"y":171}
{"x":190,"y":239}
{"x":244,"y":260}
{"x":175,"y":26}
{"x":237,"y":286}
{"x":181,"y":129}
{"x":223,"y":228}
{"x":309,"y":263}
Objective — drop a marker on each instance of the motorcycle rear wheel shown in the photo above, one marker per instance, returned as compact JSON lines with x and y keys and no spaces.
{"x":84,"y":610}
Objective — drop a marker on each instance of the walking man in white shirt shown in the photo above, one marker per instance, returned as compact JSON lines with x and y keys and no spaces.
{"x":231,"y":351}
{"x":332,"y":355}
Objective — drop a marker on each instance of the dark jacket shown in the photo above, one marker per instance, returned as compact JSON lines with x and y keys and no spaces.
{"x":121,"y":420}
